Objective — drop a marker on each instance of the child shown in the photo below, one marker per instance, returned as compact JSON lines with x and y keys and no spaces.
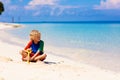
{"x":35,"y":45}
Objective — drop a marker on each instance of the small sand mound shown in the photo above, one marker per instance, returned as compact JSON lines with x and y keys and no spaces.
{"x":1,"y":78}
{"x":5,"y":59}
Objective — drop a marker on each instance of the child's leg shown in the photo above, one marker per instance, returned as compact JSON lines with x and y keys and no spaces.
{"x":23,"y":54}
{"x":41,"y":57}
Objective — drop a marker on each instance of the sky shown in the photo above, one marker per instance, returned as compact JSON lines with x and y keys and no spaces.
{"x":60,"y":10}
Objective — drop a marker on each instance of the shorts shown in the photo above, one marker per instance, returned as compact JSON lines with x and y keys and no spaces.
{"x":32,"y":54}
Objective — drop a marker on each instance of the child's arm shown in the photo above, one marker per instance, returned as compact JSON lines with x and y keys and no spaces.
{"x":41,"y":48}
{"x":32,"y":58}
{"x":28,"y":45}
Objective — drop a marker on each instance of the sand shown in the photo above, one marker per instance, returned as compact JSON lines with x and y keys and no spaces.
{"x":53,"y":68}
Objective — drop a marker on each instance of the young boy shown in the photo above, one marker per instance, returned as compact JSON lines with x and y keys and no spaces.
{"x":35,"y":45}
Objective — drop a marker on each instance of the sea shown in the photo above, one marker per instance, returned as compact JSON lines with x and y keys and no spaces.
{"x":97,"y":37}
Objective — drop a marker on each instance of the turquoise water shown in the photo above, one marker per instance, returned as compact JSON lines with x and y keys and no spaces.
{"x":102,"y":37}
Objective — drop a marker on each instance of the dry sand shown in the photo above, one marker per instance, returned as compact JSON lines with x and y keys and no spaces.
{"x":53,"y":68}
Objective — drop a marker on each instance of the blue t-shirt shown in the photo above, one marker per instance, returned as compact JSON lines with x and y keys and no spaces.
{"x":39,"y":46}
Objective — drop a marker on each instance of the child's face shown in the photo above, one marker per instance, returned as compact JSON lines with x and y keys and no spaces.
{"x":36,"y":38}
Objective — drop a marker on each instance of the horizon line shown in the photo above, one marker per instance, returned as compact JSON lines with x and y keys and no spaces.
{"x":68,"y":22}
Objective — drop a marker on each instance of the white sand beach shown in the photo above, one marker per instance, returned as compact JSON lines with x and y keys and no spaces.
{"x":54,"y":68}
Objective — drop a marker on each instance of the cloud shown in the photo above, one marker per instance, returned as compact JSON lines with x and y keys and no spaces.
{"x":5,"y":1}
{"x":108,"y":4}
{"x":8,"y":5}
{"x":61,"y":8}
{"x":42,"y":2}
{"x":13,"y":7}
{"x":36,"y":13}
{"x":34,"y":3}
{"x":56,"y":10}
{"x":55,"y":7}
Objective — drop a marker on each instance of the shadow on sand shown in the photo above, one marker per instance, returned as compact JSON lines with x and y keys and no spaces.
{"x":49,"y":62}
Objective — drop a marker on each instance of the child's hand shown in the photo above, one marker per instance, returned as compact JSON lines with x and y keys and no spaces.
{"x":29,"y":50}
{"x":31,"y":59}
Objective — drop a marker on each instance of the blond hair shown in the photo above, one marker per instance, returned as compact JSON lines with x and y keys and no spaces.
{"x":34,"y":33}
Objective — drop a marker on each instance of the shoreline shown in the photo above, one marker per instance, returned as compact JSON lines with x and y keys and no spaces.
{"x":55,"y":68}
